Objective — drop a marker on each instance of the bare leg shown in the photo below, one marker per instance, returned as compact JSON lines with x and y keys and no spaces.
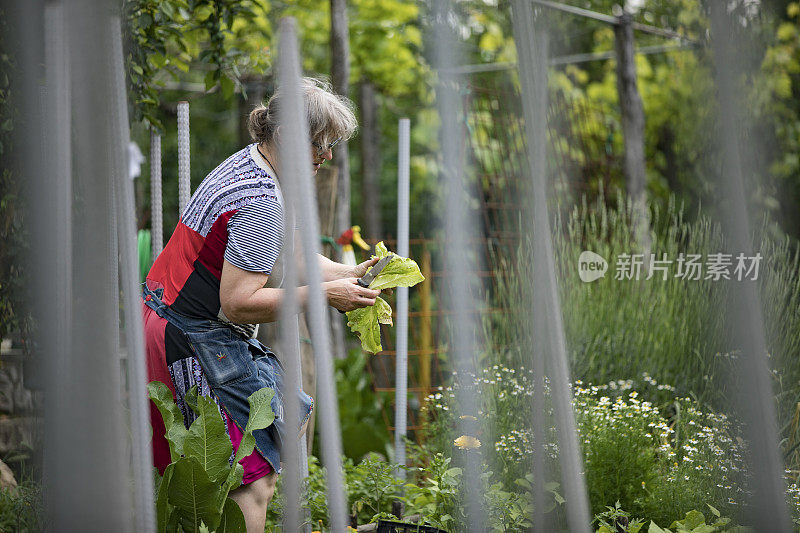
{"x":253,"y":499}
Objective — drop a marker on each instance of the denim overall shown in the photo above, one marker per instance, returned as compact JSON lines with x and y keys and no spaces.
{"x":236,"y":368}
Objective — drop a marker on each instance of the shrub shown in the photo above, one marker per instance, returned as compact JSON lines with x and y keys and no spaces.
{"x":21,"y":508}
{"x":658,"y":461}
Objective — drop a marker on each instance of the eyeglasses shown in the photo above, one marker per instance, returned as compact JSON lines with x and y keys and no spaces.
{"x":322,"y":149}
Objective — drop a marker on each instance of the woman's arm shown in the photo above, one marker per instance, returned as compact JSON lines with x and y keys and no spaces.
{"x":245,"y":300}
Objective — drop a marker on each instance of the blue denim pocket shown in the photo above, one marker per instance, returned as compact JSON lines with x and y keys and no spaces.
{"x":224,"y":356}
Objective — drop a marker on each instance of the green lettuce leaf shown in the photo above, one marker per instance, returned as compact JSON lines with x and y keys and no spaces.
{"x":400,"y":272}
{"x":365,"y":322}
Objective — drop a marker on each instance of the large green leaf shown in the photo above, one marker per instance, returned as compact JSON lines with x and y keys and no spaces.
{"x":400,"y":272}
{"x":195,"y":497}
{"x":246,"y":446}
{"x":365,"y":323}
{"x":232,"y":520}
{"x":172,"y":416}
{"x":207,"y":441}
{"x":234,"y":479}
{"x":261,"y":416}
{"x":162,"y":506}
{"x":190,"y":398}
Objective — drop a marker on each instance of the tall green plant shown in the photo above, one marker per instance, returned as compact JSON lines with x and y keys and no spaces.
{"x":193,"y":493}
{"x":672,"y":329}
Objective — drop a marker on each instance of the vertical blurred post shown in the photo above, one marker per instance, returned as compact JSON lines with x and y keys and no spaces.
{"x":548,"y":342}
{"x":299,"y":192}
{"x":142,"y":461}
{"x":86,"y":485}
{"x":401,"y":358}
{"x":50,"y":198}
{"x":295,"y":159}
{"x":462,"y":292}
{"x":755,"y":395}
{"x":184,"y":174}
{"x":156,"y":209}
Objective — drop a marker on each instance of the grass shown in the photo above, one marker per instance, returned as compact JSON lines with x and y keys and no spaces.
{"x":673,"y":329}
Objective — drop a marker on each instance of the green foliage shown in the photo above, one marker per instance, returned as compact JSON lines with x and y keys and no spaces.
{"x":616,"y":519}
{"x":13,"y":235}
{"x":360,"y":408}
{"x":22,"y":508}
{"x":168,"y":37}
{"x":366,"y":322}
{"x":695,"y":522}
{"x":435,"y":494}
{"x":436,"y":497}
{"x":657,"y":461}
{"x":371,"y":487}
{"x":603,"y":319}
{"x":193,"y":493}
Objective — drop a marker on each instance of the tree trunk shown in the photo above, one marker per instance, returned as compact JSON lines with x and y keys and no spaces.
{"x":632,"y":113}
{"x":255,"y":89}
{"x":340,"y":75}
{"x":370,"y":161}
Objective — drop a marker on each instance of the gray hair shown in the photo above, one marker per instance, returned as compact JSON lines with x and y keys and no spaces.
{"x":330,"y":116}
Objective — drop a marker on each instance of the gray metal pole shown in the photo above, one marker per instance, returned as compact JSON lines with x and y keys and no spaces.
{"x":756,"y":400}
{"x":462,"y":293}
{"x":294,"y":160}
{"x":142,"y":461}
{"x":86,"y":479}
{"x":52,"y":230}
{"x":184,"y":174}
{"x":299,"y":191}
{"x":550,"y":354}
{"x":156,"y":208}
{"x":401,"y":344}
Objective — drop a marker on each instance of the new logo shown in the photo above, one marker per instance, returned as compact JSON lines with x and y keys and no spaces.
{"x":591,"y":266}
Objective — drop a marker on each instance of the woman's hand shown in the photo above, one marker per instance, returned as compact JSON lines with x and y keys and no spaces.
{"x":360,"y":269}
{"x":346,"y":294}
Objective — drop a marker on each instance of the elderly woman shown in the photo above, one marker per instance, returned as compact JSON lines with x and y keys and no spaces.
{"x":220,"y":275}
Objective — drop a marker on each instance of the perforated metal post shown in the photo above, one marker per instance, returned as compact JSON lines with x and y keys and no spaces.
{"x":156,"y":208}
{"x":184,"y":174}
{"x":401,"y":343}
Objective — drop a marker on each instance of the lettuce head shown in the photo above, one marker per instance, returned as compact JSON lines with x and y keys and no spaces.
{"x":365,"y":322}
{"x":400,"y":272}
